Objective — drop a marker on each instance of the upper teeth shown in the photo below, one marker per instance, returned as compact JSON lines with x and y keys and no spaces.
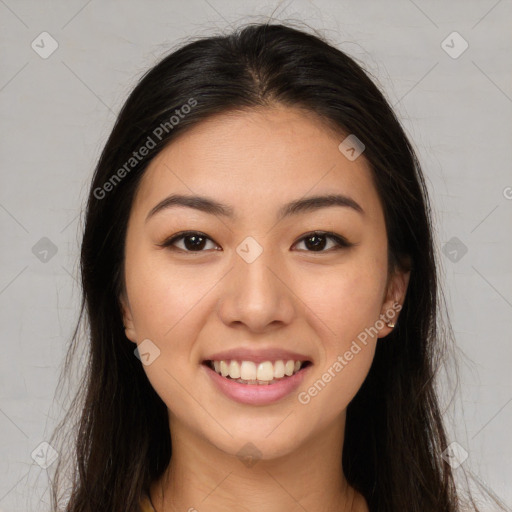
{"x":266,"y":371}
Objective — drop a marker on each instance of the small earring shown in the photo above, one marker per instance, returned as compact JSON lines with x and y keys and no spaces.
{"x":391,"y":324}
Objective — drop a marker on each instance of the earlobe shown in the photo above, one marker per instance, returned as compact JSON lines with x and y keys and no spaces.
{"x":393,"y":303}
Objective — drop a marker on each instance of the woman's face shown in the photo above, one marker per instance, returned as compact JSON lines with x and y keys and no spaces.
{"x":254,"y":285}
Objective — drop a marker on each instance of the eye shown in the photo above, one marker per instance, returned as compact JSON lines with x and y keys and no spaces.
{"x":318,"y":240}
{"x":195,"y":241}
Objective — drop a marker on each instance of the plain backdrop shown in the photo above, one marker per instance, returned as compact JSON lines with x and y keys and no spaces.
{"x":452,"y":92}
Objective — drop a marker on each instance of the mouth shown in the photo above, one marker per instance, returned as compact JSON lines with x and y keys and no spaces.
{"x":265,"y":373}
{"x":259,"y":382}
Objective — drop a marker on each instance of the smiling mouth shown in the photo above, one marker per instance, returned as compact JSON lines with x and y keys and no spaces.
{"x":264,"y":373}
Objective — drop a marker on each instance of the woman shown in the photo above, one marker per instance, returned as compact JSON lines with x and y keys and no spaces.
{"x":261,"y":288}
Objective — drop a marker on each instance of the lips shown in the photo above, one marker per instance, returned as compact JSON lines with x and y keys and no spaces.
{"x":256,"y":366}
{"x":255,"y":392}
{"x":256,"y":377}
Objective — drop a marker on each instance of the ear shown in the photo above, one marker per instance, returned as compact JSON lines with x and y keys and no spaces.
{"x":394,"y":299}
{"x":126,"y":313}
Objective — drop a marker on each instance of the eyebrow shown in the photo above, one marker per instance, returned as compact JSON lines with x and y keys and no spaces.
{"x":213,"y":207}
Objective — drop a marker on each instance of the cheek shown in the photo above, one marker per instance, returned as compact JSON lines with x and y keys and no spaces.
{"x":346,"y":300}
{"x":344,"y":307}
{"x":170,"y":304}
{"x":163,"y":297}
{"x":165,"y":302}
{"x":350,"y":306}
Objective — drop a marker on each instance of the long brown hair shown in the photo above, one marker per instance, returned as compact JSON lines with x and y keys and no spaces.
{"x":394,"y":431}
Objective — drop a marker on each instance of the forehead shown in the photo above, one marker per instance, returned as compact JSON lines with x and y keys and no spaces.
{"x":257,"y":157}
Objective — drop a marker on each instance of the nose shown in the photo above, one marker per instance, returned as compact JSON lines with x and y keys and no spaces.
{"x":257,"y":295}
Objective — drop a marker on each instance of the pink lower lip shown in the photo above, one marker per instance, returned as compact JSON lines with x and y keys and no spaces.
{"x":256,"y":394}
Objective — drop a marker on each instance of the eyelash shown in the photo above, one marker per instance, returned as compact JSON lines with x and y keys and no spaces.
{"x":339,"y":240}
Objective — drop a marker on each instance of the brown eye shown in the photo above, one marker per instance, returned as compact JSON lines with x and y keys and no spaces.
{"x":318,"y":241}
{"x":192,"y":241}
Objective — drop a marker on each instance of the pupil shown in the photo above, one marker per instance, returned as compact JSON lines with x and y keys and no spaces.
{"x":315,"y":245}
{"x":197,"y":242}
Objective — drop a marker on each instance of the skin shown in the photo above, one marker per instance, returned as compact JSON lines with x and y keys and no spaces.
{"x":193,"y":304}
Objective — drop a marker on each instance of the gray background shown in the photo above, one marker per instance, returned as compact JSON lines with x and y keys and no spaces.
{"x":56,"y":114}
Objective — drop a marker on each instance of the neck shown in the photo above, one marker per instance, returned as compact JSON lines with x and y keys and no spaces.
{"x":200,"y":476}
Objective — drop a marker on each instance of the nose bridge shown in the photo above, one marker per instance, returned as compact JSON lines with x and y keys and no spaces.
{"x":253,"y":265}
{"x":256,"y":296}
